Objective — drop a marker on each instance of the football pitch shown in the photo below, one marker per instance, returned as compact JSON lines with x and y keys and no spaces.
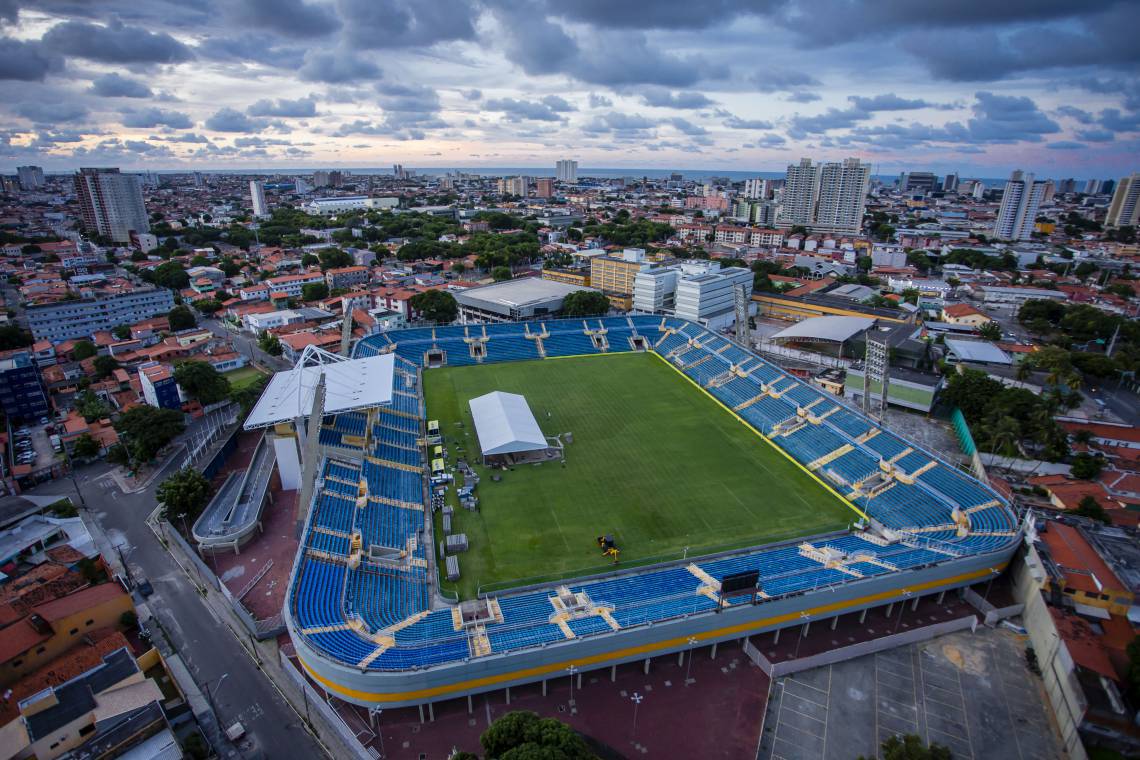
{"x":655,"y":462}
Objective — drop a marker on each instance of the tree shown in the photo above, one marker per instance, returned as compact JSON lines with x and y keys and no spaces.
{"x":269,"y":343}
{"x":122,"y":332}
{"x":585,"y":303}
{"x":181,"y":318}
{"x":184,"y":493}
{"x":208,"y":306}
{"x":12,"y":336}
{"x":910,"y":747}
{"x":435,"y":305}
{"x":1133,"y":651}
{"x":309,"y":260}
{"x":118,"y":454}
{"x":85,"y":447}
{"x":498,"y":274}
{"x":1089,"y":507}
{"x":1086,"y":466}
{"x":202,"y":381}
{"x":522,"y":734}
{"x":990,"y":331}
{"x":171,"y":275}
{"x":84,"y":349}
{"x":147,"y":429}
{"x":90,"y":406}
{"x":314,"y":291}
{"x":105,"y":365}
{"x":333,"y":258}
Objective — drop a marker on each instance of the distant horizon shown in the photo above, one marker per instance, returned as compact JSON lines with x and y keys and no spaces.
{"x":691,"y":173}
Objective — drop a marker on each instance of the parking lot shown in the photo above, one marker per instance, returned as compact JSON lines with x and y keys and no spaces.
{"x":970,"y":692}
{"x":31,"y":446}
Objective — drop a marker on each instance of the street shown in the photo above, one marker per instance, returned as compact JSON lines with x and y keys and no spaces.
{"x":238,"y":689}
{"x":246,"y":345}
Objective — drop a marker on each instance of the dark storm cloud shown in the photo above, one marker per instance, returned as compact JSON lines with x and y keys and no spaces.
{"x":406,"y":23}
{"x":26,"y":61}
{"x":661,"y":14}
{"x":300,"y":108}
{"x":776,"y":79}
{"x":291,"y":18}
{"x":735,"y":122}
{"x":522,"y":110}
{"x":888,"y":102}
{"x":115,"y":43}
{"x":681,"y":100}
{"x":229,"y":120}
{"x":148,"y":118}
{"x":336,"y":67}
{"x":1007,"y":118}
{"x":43,"y":112}
{"x":117,"y":86}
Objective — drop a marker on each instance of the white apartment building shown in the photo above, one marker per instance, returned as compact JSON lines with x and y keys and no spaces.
{"x":84,"y":317}
{"x":1124,"y":211}
{"x":111,"y":203}
{"x":566,"y":170}
{"x":257,"y":193}
{"x":30,"y":177}
{"x":757,"y":189}
{"x":706,"y":292}
{"x":654,"y":289}
{"x":292,"y":284}
{"x":801,"y":188}
{"x":1018,"y":213}
{"x":827,"y":197}
{"x":842,"y":196}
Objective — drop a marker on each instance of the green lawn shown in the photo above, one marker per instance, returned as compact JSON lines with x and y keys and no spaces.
{"x":243,"y":376}
{"x":654,"y":461}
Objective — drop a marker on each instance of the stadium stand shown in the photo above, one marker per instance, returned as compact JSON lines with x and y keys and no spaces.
{"x":331,"y":603}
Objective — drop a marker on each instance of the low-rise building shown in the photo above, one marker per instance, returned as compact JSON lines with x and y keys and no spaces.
{"x":965,"y":315}
{"x":346,"y":277}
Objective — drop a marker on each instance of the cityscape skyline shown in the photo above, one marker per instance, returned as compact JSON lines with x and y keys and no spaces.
{"x":968,"y":89}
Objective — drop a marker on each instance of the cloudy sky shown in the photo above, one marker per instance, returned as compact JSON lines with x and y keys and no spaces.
{"x":978,"y":86}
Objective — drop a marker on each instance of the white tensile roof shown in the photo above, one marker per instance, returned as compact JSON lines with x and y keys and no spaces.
{"x":349,"y":384}
{"x":505,"y":424}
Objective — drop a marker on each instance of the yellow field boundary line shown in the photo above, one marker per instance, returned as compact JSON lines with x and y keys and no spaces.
{"x":764,"y":438}
{"x":740,"y":629}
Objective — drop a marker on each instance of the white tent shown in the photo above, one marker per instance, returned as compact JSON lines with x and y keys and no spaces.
{"x":505,"y":424}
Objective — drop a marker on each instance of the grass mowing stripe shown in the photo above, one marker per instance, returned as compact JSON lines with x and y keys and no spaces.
{"x":649,"y":452}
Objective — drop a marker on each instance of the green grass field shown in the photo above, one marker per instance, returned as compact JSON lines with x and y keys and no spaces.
{"x":654,"y":461}
{"x":243,"y":376}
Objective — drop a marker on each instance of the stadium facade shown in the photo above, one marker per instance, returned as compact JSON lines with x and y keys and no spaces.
{"x":363,"y":608}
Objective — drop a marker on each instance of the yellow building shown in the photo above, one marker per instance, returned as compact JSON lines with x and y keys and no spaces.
{"x":794,"y":309}
{"x":55,"y":626}
{"x":966,"y":315}
{"x":1079,"y":573}
{"x":614,"y":275}
{"x":569,"y":276}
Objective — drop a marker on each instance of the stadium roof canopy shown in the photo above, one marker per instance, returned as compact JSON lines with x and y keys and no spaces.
{"x":349,"y":384}
{"x":826,"y":329}
{"x":505,"y":424}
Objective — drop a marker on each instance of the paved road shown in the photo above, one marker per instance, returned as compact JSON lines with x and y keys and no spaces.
{"x":1122,"y":402}
{"x":246,"y":345}
{"x":240,"y":692}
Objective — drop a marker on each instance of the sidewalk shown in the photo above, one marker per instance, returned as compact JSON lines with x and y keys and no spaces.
{"x":264,"y":654}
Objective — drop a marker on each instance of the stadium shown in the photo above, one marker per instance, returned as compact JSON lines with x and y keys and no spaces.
{"x":734,"y":498}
